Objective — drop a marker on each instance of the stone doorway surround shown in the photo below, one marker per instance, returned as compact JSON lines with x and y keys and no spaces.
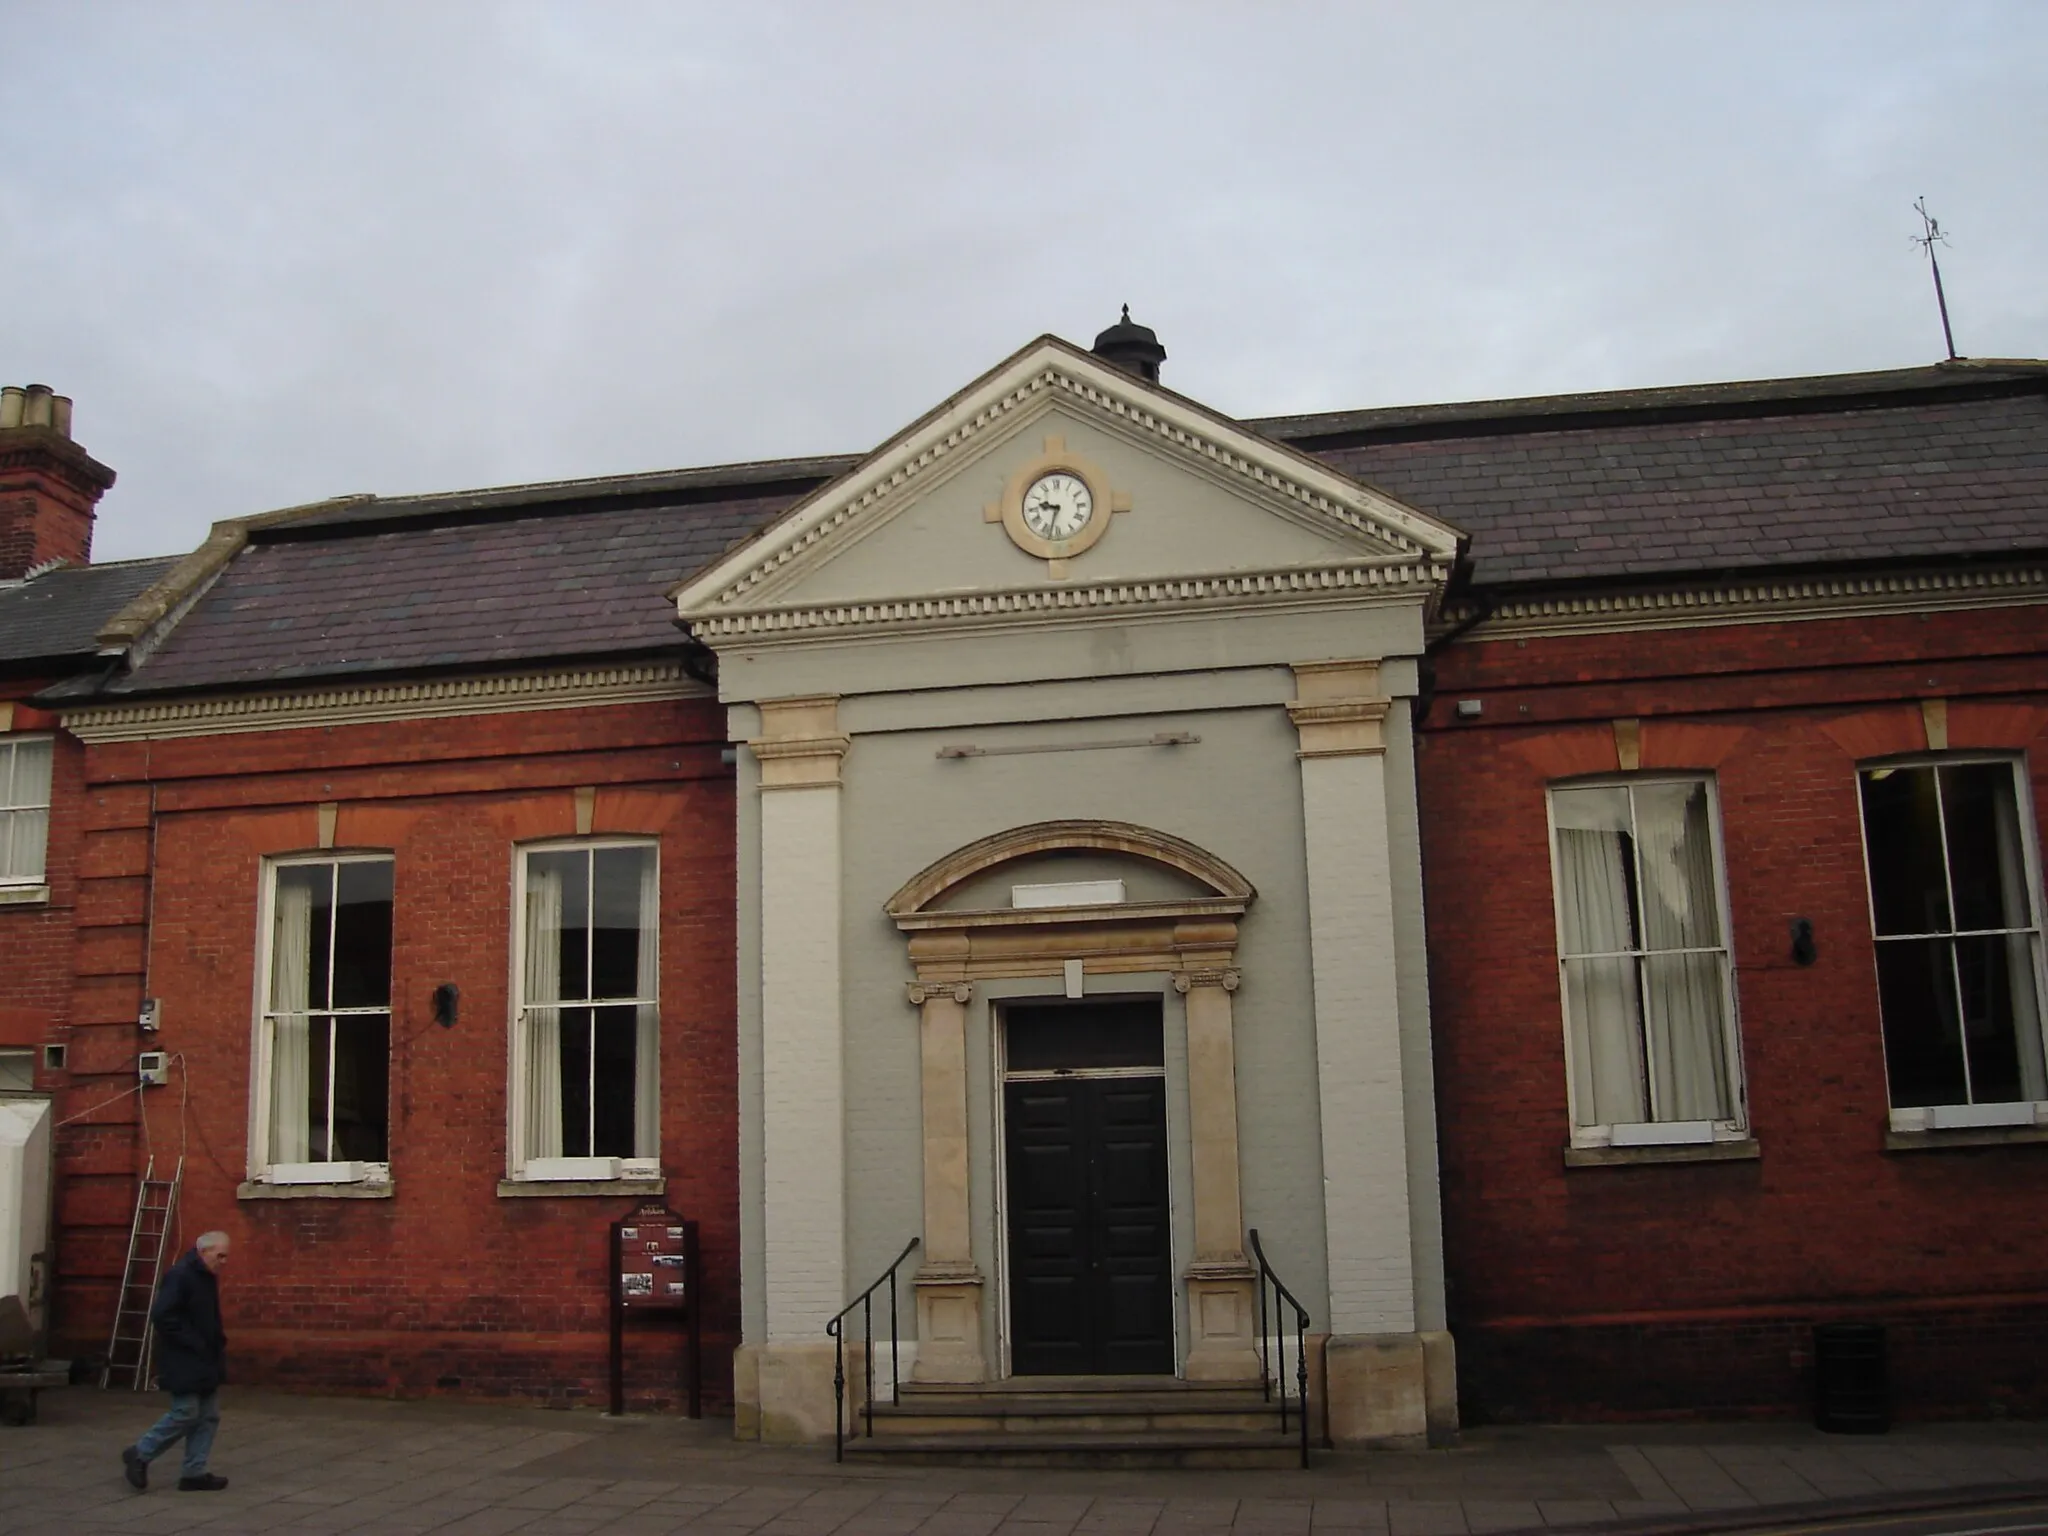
{"x":1194,"y":939}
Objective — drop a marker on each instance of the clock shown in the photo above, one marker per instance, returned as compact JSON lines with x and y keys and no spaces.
{"x":1056,"y":505}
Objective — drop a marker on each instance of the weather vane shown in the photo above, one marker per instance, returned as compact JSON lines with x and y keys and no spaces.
{"x":1930,"y":236}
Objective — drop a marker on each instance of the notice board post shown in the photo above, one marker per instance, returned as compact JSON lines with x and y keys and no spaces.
{"x":654,"y":1268}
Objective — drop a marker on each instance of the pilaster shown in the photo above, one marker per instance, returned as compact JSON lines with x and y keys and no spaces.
{"x":1339,"y":712}
{"x":948,"y":1283}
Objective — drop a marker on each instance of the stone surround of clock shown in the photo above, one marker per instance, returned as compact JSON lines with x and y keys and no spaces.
{"x":1057,"y":505}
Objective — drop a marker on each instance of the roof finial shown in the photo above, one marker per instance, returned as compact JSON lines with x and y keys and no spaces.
{"x":1131,"y":347}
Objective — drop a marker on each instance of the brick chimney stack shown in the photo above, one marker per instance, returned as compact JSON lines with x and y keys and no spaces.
{"x":48,"y":484}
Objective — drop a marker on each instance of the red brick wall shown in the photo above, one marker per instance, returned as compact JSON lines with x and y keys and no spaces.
{"x":1671,"y":1288}
{"x":48,"y":489}
{"x":35,"y":938}
{"x":446,"y":1285}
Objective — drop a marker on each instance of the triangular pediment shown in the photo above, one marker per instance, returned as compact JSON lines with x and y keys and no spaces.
{"x":949,"y":521}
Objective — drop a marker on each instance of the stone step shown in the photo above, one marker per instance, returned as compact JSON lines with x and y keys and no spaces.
{"x":1145,"y":1449}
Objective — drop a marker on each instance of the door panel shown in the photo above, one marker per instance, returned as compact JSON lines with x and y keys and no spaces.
{"x":1091,"y":1263}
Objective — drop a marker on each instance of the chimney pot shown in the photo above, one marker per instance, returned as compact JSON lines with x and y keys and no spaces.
{"x":12,"y":397}
{"x":36,"y":410}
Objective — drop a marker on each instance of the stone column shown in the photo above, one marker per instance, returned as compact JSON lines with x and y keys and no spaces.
{"x":948,"y":1283}
{"x":803,"y":1081}
{"x":1374,"y":1367}
{"x":1222,"y":1312}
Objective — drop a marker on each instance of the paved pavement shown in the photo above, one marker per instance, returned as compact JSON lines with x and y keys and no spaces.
{"x":330,"y":1465}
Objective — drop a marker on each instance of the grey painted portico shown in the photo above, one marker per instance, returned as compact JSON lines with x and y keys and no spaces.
{"x":1206,"y":700}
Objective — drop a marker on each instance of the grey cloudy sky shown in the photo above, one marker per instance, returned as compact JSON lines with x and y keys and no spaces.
{"x":282,"y":251}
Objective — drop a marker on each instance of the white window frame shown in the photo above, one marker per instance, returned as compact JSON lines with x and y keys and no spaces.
{"x":1651,"y":1134}
{"x":24,"y":887}
{"x":2020,"y":1113}
{"x":261,"y":1169}
{"x":568,"y":1169}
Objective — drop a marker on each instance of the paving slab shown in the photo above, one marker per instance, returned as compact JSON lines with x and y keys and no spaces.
{"x":324,"y":1466}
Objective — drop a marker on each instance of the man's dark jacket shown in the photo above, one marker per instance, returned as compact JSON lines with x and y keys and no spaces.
{"x":191,"y":1346}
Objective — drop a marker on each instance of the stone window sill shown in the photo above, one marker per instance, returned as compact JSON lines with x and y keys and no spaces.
{"x":251,"y":1190}
{"x":1744,"y":1151}
{"x":1963,"y":1137}
{"x":24,"y":895}
{"x":544,"y":1189}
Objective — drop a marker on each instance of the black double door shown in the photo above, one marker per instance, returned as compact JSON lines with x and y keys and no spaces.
{"x":1091,"y":1288}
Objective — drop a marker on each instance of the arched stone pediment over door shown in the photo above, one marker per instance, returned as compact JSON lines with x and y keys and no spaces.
{"x":1069,"y":900}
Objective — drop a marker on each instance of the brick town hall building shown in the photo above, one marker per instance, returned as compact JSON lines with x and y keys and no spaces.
{"x":1565,"y":872}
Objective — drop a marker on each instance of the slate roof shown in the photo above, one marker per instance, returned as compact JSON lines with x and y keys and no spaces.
{"x":390,"y":595}
{"x":51,"y":619}
{"x":1914,"y":465}
{"x":1937,"y":463}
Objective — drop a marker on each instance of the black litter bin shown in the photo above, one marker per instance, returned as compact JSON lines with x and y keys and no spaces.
{"x":1850,"y":1393}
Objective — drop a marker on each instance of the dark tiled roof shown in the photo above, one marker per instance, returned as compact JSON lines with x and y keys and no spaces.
{"x":1665,"y":495}
{"x":54,"y":616}
{"x":460,"y":594}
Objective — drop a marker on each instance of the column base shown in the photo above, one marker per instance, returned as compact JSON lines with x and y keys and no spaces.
{"x":782,"y":1393}
{"x":1391,"y":1390}
{"x":1222,"y":1321}
{"x":948,"y":1324}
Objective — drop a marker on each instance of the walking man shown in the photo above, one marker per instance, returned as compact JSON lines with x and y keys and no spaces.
{"x":191,"y":1363}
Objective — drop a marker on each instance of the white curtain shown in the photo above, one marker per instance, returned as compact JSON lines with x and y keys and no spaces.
{"x":647,"y":1053}
{"x":2019,"y":947}
{"x":25,"y":831}
{"x":1681,"y":910}
{"x":543,"y":1045}
{"x":291,"y":1059}
{"x":1601,"y":1000}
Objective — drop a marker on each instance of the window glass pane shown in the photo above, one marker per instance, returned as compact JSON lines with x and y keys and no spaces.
{"x":1922,"y":1036}
{"x":362,"y":935}
{"x":32,"y":761}
{"x":1686,"y":1011}
{"x":301,"y":927}
{"x":615,"y":926}
{"x":1603,"y":1007}
{"x":561,"y":877}
{"x":575,"y":1081}
{"x":1675,"y":848}
{"x":17,"y":1071}
{"x":361,"y":1084}
{"x":24,"y":837}
{"x":1986,"y":869}
{"x":1601,"y":808}
{"x":616,"y":1047}
{"x":1085,"y":1035}
{"x":1596,"y":891}
{"x":2001,"y":1021}
{"x":28,"y":782}
{"x":1902,"y":838}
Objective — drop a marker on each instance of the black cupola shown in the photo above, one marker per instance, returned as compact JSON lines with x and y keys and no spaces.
{"x":1131,"y":347}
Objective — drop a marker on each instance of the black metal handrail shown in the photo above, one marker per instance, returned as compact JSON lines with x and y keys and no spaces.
{"x":836,"y":1329}
{"x":1273,"y":1353}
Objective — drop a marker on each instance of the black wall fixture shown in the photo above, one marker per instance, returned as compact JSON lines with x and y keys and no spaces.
{"x":1803,"y":952}
{"x":446,"y":998}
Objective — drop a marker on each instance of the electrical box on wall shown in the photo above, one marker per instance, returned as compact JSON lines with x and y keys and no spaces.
{"x":154,"y":1068}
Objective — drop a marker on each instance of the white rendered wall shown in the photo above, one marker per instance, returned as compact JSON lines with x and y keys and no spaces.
{"x":24,"y":1193}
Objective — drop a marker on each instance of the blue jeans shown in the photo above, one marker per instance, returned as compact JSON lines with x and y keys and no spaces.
{"x":194,"y":1416}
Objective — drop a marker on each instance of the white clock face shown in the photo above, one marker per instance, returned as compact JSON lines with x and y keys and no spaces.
{"x":1058,"y":505}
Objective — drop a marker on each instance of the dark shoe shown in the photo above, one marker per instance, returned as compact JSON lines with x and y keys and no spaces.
{"x":205,"y":1482}
{"x":134,"y":1468}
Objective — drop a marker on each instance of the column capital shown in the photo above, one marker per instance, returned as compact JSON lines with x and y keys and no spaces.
{"x":800,"y":745}
{"x":919,"y":991}
{"x":1338,"y":708}
{"x":1183,"y":981}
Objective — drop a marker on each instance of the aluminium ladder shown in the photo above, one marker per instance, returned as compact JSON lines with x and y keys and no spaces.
{"x":149,"y":1238}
